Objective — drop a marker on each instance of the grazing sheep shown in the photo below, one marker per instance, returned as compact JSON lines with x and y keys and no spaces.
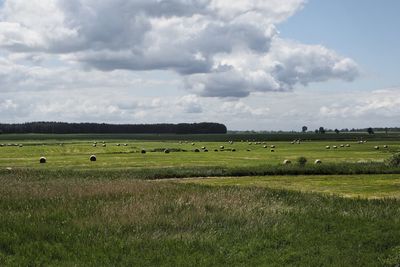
{"x":42,"y":160}
{"x":93,"y":158}
{"x":318,"y":161}
{"x":328,"y":147}
{"x":287,"y":162}
{"x":143,"y":151}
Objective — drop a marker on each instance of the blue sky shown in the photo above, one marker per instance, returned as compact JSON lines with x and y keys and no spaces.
{"x":262,"y":65}
{"x":365,"y":30}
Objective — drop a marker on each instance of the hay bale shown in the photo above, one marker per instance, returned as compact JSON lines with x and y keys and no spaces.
{"x":42,"y":160}
{"x":143,"y":151}
{"x":318,"y":161}
{"x":222,"y":147}
{"x":272,"y":146}
{"x":93,"y":158}
{"x":385,"y":146}
{"x":342,"y":145}
{"x":347,"y":145}
{"x":125,"y":144}
{"x":21,"y":145}
{"x":94,"y":145}
{"x":287,"y":162}
{"x":335,"y":147}
{"x":104,"y":145}
{"x":203,"y":147}
{"x":376,"y":147}
{"x":118,"y":145}
{"x":1,"y":145}
{"x":328,"y":147}
{"x":265,"y":146}
{"x":292,"y":142}
{"x":193,"y":144}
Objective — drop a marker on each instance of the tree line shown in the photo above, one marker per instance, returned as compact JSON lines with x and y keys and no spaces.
{"x":103,"y":128}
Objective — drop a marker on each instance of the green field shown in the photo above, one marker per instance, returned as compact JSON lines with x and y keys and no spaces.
{"x":129,"y":208}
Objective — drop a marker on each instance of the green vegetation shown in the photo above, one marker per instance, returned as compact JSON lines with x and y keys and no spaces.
{"x":128,"y":208}
{"x":362,"y":186}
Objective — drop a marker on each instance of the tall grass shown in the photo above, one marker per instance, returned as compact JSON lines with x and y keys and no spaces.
{"x":80,"y":222}
{"x":210,"y":171}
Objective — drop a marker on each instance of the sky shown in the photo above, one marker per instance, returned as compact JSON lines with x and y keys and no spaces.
{"x":250,"y":64}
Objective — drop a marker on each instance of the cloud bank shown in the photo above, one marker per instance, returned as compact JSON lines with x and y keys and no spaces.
{"x":218,"y":48}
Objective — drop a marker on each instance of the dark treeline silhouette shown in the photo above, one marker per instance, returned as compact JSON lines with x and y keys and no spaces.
{"x":97,"y":128}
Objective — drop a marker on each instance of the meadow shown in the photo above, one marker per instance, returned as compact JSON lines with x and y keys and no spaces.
{"x":187,"y":208}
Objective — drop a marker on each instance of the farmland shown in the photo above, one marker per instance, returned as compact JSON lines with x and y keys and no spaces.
{"x":221,"y":207}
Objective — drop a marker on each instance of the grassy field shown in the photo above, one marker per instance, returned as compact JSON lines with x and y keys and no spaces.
{"x":75,"y":153}
{"x":254,"y":211}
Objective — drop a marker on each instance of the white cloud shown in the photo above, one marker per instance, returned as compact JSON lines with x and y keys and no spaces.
{"x":220,"y":48}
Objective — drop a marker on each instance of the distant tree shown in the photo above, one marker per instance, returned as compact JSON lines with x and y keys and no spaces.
{"x":386,"y":130}
{"x":316,"y":131}
{"x":337,"y":131}
{"x":370,"y":130}
{"x":304,"y":129}
{"x":321,"y":130}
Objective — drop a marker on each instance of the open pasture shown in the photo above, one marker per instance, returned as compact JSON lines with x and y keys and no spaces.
{"x":75,"y":153}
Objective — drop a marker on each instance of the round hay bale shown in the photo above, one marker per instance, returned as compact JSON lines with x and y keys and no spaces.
{"x":166,"y":151}
{"x":272,"y":146}
{"x":94,"y":145}
{"x":348,"y":145}
{"x":292,"y":143}
{"x":125,"y":144}
{"x":342,"y":145}
{"x":287,"y":162}
{"x":385,"y":146}
{"x":376,"y":147}
{"x":193,"y":144}
{"x":335,"y":147}
{"x":265,"y":146}
{"x":143,"y":151}
{"x":118,"y":144}
{"x":21,"y":145}
{"x":328,"y":147}
{"x":93,"y":158}
{"x":222,"y":147}
{"x":318,"y":161}
{"x":104,"y":145}
{"x":42,"y":160}
{"x":203,"y":147}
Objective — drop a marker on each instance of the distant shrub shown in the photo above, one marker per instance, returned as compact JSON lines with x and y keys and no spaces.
{"x":394,"y":160}
{"x":301,"y":161}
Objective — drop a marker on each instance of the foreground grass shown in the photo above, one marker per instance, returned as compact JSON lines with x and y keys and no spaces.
{"x":363,"y":186}
{"x":99,"y":222}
